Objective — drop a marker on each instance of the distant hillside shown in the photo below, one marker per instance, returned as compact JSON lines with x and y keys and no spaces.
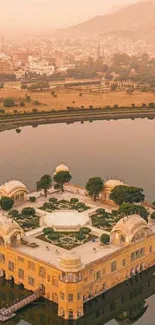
{"x":137,"y":18}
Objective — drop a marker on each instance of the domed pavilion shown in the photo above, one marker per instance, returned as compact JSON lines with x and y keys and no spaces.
{"x":14,"y":189}
{"x":70,"y":262}
{"x":109,"y":185}
{"x":130,"y":230}
{"x":10,"y":231}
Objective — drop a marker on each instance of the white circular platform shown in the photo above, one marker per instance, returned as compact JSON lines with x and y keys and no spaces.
{"x":71,"y":220}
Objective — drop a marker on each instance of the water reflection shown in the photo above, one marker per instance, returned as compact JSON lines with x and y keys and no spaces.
{"x":122,"y":148}
{"x":124,"y":304}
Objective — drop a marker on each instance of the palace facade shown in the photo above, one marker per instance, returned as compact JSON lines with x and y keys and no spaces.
{"x":71,"y":278}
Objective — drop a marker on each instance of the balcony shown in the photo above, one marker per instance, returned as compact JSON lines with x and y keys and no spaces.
{"x":70,"y":278}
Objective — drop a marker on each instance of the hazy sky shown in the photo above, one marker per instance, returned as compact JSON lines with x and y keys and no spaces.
{"x":56,"y":13}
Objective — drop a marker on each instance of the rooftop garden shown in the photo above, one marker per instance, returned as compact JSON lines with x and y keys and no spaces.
{"x":106,"y":221}
{"x":74,"y":204}
{"x":27,"y":218}
{"x":67,"y":240}
{"x":103,"y":220}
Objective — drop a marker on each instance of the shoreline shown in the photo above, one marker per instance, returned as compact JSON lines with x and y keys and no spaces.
{"x":15,"y":121}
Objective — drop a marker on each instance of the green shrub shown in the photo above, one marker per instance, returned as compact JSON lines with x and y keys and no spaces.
{"x":28,"y":211}
{"x":105,"y":239}
{"x":80,"y":236}
{"x":48,"y":205}
{"x":153,"y":215}
{"x":74,"y":200}
{"x":14,"y":213}
{"x":18,"y":130}
{"x":6,"y":203}
{"x":80,"y":205}
{"x":153,"y":203}
{"x":8,"y":102}
{"x":54,"y":236}
{"x":102,"y":223}
{"x":53,"y":200}
{"x":36,"y":102}
{"x":22,"y":104}
{"x":85,"y":230}
{"x":32,"y":199}
{"x":100,"y":211}
{"x":114,"y":213}
{"x":48,"y":231}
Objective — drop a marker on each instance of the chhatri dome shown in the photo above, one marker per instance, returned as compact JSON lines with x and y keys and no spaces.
{"x":10,"y":231}
{"x":113,"y":183}
{"x":70,"y":262}
{"x":109,"y":185}
{"x":130,"y":229}
{"x":14,"y":189}
{"x":61,"y":168}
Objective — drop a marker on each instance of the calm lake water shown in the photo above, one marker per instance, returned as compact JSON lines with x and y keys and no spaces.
{"x":128,"y":303}
{"x":123,"y":149}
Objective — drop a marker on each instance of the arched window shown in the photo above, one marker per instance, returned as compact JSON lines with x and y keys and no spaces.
{"x":54,"y":281}
{"x":122,"y":239}
{"x":70,"y":314}
{"x":42,"y":272}
{"x":62,"y":312}
{"x":54,"y":297}
{"x":143,"y":234}
{"x":1,"y":241}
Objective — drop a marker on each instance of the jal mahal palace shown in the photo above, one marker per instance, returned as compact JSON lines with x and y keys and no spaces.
{"x":70,"y":278}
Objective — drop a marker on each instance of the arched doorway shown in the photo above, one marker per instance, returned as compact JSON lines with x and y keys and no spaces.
{"x":42,"y":287}
{"x":132,"y":272}
{"x":55,"y":297}
{"x":2,"y":273}
{"x":13,"y":240}
{"x":137,"y":269}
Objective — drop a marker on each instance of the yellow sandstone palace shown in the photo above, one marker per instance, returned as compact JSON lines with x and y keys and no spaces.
{"x":71,"y":278}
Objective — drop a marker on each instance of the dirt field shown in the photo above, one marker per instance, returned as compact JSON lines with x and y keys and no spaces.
{"x":67,"y":97}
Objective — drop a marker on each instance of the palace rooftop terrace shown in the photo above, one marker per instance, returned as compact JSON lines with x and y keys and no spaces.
{"x":49,"y":253}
